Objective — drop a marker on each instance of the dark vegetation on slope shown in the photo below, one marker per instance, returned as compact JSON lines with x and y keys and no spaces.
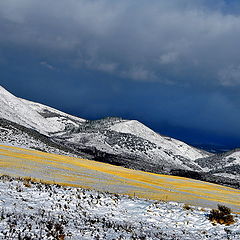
{"x":217,"y":160}
{"x":207,"y":177}
{"x":18,"y":131}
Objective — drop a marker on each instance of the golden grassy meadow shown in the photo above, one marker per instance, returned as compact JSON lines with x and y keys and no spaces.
{"x":77,"y":172}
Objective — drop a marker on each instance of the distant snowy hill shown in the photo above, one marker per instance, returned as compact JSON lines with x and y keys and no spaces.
{"x":177,"y":147}
{"x":128,"y":143}
{"x":17,"y":135}
{"x":224,"y":165}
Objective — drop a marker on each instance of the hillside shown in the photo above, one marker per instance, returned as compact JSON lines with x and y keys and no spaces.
{"x":38,"y":117}
{"x":114,"y":136}
{"x":41,"y":144}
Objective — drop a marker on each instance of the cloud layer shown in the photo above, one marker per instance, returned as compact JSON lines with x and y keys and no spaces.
{"x":175,"y":42}
{"x":174,"y":65}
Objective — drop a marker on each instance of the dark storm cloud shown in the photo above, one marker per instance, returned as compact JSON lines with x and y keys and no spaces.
{"x":174,"y":65}
{"x":175,"y":42}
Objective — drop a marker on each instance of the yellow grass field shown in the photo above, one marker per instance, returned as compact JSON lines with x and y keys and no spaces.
{"x":77,"y":172}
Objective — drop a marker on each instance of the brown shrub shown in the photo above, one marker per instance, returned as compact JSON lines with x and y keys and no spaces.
{"x":186,"y":207}
{"x":222,"y":215}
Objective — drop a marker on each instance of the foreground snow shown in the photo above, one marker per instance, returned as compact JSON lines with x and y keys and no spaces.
{"x":39,"y":211}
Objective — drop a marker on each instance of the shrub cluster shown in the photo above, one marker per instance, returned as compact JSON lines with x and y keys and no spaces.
{"x":222,"y":215}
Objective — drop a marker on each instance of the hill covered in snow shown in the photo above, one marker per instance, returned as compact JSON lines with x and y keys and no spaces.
{"x":224,"y":165}
{"x":32,"y":115}
{"x":114,"y":136}
{"x":127,"y":143}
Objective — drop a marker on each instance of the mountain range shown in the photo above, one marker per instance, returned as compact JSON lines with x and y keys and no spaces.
{"x":118,"y":141}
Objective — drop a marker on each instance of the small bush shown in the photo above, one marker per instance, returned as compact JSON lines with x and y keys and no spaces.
{"x":186,"y":207}
{"x":222,"y":215}
{"x":224,"y":209}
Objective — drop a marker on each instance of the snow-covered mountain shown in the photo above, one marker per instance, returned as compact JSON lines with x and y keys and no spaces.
{"x":17,"y":135}
{"x":132,"y":144}
{"x":110,"y":136}
{"x":36,"y":116}
{"x":128,"y":143}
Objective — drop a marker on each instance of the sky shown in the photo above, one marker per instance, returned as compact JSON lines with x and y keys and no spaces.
{"x":173,"y":65}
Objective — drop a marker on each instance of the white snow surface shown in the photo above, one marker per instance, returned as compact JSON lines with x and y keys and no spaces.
{"x":39,"y":211}
{"x":41,"y":108}
{"x":27,"y":113}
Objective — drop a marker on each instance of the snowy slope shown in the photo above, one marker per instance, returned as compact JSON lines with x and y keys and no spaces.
{"x":53,"y":115}
{"x":85,"y":173}
{"x":31,"y":115}
{"x":232,"y":159}
{"x":177,"y":147}
{"x":39,"y":211}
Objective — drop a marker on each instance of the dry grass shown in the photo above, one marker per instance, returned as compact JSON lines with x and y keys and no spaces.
{"x":63,"y":170}
{"x":27,"y":184}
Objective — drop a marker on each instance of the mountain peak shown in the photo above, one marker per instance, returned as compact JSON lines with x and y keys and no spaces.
{"x":30,"y":114}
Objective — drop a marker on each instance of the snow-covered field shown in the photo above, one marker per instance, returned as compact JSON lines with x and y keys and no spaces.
{"x":40,"y":211}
